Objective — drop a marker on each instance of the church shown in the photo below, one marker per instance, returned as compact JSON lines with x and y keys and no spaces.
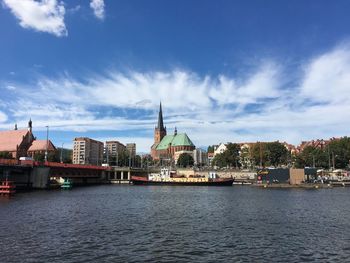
{"x":166,"y":146}
{"x":22,"y":143}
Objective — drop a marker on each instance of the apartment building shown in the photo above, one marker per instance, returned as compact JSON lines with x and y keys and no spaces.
{"x":114,"y":148}
{"x":131,"y":148}
{"x":87,"y":151}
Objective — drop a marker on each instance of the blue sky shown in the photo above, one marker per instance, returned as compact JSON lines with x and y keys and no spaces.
{"x":224,"y":70}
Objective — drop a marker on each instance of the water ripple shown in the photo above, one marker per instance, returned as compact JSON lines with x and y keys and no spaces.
{"x":176,"y":224}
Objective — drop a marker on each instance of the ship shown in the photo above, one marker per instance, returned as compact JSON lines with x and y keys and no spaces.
{"x":168,"y":177}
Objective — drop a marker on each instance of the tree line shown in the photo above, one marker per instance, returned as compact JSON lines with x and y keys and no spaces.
{"x":336,"y":154}
{"x":259,"y":154}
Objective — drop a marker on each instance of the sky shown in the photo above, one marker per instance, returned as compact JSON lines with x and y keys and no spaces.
{"x":225,"y":71}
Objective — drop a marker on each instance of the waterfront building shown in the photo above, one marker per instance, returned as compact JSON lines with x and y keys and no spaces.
{"x":40,"y":147}
{"x":17,"y":142}
{"x":131,"y":149}
{"x":114,"y":148}
{"x":220,"y":149}
{"x":87,"y":151}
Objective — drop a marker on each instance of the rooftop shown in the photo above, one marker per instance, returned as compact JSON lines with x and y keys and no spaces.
{"x":174,"y":140}
{"x":40,"y":145}
{"x":10,"y":139}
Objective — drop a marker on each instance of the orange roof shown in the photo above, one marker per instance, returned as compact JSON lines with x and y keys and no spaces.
{"x":40,"y":145}
{"x":10,"y":139}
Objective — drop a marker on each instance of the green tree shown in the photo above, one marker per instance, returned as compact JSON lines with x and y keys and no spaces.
{"x":230,"y":157}
{"x":137,"y":161}
{"x":220,"y":160}
{"x":53,"y":156}
{"x":6,"y":155}
{"x":276,"y":153}
{"x":259,"y":154}
{"x":123,"y":158}
{"x":232,"y":154}
{"x":147,"y":160}
{"x":312,"y":156}
{"x":269,"y":153}
{"x":339,"y":152}
{"x":39,"y":157}
{"x":185,"y":160}
{"x":210,"y":149}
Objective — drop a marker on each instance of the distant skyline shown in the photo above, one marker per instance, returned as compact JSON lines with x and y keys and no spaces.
{"x":238,"y":71}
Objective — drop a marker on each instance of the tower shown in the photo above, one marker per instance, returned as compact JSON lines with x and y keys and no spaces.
{"x":160,"y":130}
{"x":30,"y":125}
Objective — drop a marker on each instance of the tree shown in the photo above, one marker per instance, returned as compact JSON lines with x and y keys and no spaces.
{"x":232,"y":154}
{"x":259,"y":154}
{"x":53,"y":156}
{"x":339,"y":152}
{"x":123,"y":158}
{"x":39,"y":157}
{"x":6,"y":155}
{"x":137,"y":161}
{"x":185,"y":160}
{"x":245,"y":158}
{"x":269,"y":153}
{"x":230,"y":157}
{"x":210,"y":149}
{"x":277,"y":154}
{"x":220,"y":160}
{"x":312,"y":156}
{"x":147,"y":160}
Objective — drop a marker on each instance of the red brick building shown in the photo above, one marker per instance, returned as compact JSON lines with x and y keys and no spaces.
{"x":17,"y":142}
{"x":165,"y":146}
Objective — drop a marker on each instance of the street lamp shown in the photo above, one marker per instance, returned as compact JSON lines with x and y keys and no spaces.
{"x":47,"y":142}
{"x":61,"y":159}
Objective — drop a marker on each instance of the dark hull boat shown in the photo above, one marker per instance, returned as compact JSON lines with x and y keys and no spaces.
{"x":138,"y":180}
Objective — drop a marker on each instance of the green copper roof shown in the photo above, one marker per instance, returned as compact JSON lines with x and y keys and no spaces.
{"x":181,"y":140}
{"x":175,"y":140}
{"x":164,"y":143}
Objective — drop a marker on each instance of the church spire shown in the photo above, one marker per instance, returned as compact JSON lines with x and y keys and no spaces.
{"x":30,"y":125}
{"x":160,"y":118}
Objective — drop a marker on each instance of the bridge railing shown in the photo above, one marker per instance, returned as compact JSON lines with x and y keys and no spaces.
{"x":9,"y":162}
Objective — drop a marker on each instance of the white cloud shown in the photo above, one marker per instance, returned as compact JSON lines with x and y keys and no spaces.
{"x":261,"y":85}
{"x":10,"y":87}
{"x":210,"y":109}
{"x":45,"y":16}
{"x":3,"y":117}
{"x":327,"y":78}
{"x":98,"y":6}
{"x":73,"y":10}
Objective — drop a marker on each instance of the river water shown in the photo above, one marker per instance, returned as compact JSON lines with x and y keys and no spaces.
{"x":125,"y":223}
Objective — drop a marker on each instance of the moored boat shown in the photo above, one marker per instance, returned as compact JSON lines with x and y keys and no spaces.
{"x":167,"y":177}
{"x":67,"y":184}
{"x":7,"y":188}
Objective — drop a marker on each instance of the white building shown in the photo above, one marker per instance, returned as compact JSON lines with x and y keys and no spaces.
{"x":220,"y":149}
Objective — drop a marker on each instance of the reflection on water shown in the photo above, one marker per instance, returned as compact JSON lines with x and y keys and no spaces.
{"x":176,"y":224}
